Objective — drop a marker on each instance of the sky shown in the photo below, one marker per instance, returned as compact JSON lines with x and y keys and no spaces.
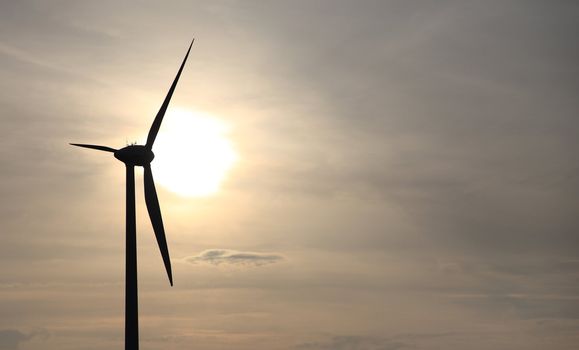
{"x":405,"y":174}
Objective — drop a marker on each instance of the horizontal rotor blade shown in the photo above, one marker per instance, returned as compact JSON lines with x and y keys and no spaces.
{"x":159,"y":118}
{"x":156,"y":220}
{"x":97,"y":147}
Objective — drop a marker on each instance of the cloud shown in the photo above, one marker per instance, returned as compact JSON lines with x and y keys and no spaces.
{"x":368,"y":342}
{"x":10,"y":339}
{"x":234,"y":257}
{"x":353,"y":343}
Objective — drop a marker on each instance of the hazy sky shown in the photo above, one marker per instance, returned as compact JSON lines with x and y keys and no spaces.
{"x":407,"y":174}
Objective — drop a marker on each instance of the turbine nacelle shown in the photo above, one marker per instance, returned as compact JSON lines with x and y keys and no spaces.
{"x":135,"y":155}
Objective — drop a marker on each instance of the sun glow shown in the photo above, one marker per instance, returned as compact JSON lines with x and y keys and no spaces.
{"x":192,"y":153}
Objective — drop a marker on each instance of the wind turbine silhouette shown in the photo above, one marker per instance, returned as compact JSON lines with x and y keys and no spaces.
{"x":139,"y":155}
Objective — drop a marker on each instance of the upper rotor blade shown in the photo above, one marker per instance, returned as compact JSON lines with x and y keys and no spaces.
{"x":155,"y":215}
{"x":100,"y":148}
{"x":159,"y":118}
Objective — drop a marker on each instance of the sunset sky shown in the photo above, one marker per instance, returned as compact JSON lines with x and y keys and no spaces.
{"x":373,"y":175}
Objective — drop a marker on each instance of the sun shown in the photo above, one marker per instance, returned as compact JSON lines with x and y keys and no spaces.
{"x":192,"y":153}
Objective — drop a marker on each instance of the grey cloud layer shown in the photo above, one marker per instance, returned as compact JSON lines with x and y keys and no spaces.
{"x":416,"y":160}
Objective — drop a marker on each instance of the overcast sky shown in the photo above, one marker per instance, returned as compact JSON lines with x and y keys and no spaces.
{"x":407,"y":174}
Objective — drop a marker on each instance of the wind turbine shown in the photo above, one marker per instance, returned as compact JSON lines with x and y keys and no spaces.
{"x":141,"y":155}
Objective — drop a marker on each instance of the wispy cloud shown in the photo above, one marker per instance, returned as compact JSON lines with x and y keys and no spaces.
{"x":44,"y":62}
{"x":233,"y":257}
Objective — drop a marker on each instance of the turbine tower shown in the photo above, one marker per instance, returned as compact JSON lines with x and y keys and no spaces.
{"x":141,"y":155}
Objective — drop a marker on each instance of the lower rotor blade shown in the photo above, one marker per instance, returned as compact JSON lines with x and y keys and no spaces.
{"x":97,"y":147}
{"x":156,"y":219}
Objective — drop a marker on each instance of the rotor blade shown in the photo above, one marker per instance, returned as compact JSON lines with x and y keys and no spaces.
{"x":100,"y":148}
{"x":159,"y":118}
{"x":155,"y":215}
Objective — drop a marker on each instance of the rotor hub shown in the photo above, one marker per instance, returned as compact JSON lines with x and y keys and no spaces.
{"x":135,"y":155}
